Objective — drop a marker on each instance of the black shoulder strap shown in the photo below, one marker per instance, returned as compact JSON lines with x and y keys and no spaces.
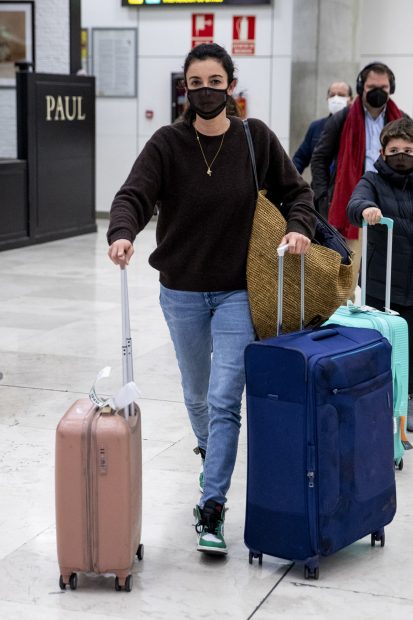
{"x":252,"y":154}
{"x":322,"y":222}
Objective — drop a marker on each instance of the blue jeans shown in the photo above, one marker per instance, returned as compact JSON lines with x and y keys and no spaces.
{"x":210,"y":332}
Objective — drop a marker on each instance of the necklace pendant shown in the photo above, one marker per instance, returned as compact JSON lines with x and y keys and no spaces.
{"x":209,"y":172}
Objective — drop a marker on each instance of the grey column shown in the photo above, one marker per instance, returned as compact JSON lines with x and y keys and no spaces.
{"x":325,"y":49}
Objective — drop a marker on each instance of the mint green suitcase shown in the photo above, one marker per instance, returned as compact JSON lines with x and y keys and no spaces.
{"x":394,"y":328}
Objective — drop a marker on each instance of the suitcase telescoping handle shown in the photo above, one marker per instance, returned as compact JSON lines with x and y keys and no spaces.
{"x":127,"y":360}
{"x":281,"y":250}
{"x":387,"y":221}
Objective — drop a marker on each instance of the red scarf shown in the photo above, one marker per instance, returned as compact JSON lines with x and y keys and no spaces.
{"x":350,"y":164}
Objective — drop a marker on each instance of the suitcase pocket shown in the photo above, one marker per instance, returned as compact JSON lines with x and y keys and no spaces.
{"x":365,"y":413}
{"x":373,"y":444}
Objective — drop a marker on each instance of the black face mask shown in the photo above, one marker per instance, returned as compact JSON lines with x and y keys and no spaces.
{"x":207,"y":102}
{"x":400,"y":162}
{"x":377,"y":97}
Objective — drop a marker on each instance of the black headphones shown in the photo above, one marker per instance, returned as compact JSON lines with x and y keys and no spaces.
{"x":360,"y":81}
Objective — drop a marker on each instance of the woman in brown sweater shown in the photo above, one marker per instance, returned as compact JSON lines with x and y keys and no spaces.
{"x":199,"y":173}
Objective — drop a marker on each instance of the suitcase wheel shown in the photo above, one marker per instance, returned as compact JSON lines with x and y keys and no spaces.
{"x":399,"y":465}
{"x":140,"y":552}
{"x":72,"y":582}
{"x":378,"y":536}
{"x":311,"y":572}
{"x":253,"y":555}
{"x":128,"y":584}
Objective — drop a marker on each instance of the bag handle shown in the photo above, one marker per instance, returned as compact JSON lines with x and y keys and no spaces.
{"x":318,"y":215}
{"x":252,"y":154}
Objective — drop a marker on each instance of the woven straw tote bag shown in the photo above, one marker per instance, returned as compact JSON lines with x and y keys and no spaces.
{"x":328,"y":273}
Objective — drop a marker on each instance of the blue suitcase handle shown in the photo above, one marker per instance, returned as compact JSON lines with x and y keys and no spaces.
{"x":324,"y":333}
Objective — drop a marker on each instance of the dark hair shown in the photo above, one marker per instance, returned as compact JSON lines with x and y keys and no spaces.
{"x":377,"y":67}
{"x":232,"y":108}
{"x":210,"y":50}
{"x":215,"y":51}
{"x":401,"y":128}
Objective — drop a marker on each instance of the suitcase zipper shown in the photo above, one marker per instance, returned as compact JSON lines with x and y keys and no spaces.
{"x":89,"y":516}
{"x":94,"y":487}
{"x":370,"y":346}
{"x":311,"y":472}
{"x":359,"y":386}
{"x":310,"y":476}
{"x":312,"y":513}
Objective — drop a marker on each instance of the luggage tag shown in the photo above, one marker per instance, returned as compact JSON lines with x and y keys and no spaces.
{"x":406,"y":444}
{"x":403,"y":438}
{"x":127,"y":394}
{"x":354,"y":308}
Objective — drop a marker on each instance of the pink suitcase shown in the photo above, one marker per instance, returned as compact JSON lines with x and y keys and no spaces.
{"x":98,"y":477}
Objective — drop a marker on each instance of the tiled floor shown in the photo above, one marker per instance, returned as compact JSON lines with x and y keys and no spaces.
{"x":59,"y":324}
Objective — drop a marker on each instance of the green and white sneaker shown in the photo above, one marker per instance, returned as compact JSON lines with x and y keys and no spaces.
{"x":201,"y":478}
{"x":210,"y":527}
{"x":201,"y":451}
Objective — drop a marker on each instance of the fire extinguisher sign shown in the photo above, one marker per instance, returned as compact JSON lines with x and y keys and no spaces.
{"x":243,"y":35}
{"x":202,"y":28}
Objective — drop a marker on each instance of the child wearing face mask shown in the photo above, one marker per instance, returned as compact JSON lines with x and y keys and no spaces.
{"x":390,"y":194}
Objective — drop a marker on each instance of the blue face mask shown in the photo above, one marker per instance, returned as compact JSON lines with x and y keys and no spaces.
{"x":207,"y":102}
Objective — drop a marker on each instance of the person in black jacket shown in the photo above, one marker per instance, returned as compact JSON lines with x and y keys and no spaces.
{"x":390,"y":193}
{"x":199,"y":173}
{"x":339,"y":96}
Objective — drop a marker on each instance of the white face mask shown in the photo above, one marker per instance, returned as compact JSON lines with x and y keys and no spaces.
{"x":336,"y":103}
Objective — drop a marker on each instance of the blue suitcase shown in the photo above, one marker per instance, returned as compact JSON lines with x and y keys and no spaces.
{"x":320,"y":471}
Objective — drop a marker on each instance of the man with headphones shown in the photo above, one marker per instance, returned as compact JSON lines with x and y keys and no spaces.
{"x":349,"y":146}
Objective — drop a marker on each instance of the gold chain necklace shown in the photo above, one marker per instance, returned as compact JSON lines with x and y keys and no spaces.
{"x":209,"y":171}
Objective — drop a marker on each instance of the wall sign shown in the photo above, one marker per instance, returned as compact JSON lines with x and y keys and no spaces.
{"x":202,"y":28}
{"x":114,"y":52}
{"x":64,"y":108}
{"x":243,"y":35}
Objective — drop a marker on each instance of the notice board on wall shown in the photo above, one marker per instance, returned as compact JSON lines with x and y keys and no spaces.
{"x":114,"y":52}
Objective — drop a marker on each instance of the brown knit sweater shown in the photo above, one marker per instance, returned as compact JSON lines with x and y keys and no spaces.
{"x":204,"y":222}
